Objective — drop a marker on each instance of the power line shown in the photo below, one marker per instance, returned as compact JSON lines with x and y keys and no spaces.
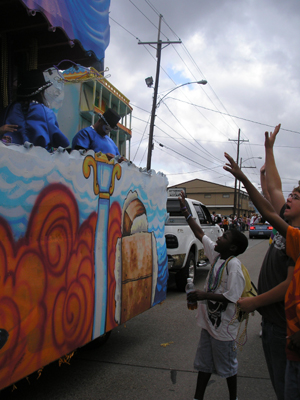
{"x":163,"y":19}
{"x":184,"y":47}
{"x":152,"y":6}
{"x":184,"y":146}
{"x":197,"y":67}
{"x":141,"y":140}
{"x":221,"y":113}
{"x":152,"y":118}
{"x":234,"y":116}
{"x":153,"y":56}
{"x":143,"y":14}
{"x":201,"y":147}
{"x":123,"y":28}
{"x":185,"y":157}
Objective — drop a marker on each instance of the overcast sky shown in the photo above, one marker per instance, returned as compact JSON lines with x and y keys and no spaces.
{"x":248,"y":51}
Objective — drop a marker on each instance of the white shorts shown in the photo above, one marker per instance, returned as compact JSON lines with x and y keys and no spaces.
{"x":215,"y":356}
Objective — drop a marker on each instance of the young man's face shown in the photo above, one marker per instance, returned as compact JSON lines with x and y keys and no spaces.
{"x":224,"y":242}
{"x":292,"y":210}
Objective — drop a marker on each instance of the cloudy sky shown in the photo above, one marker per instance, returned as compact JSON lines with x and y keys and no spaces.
{"x":248,"y":51}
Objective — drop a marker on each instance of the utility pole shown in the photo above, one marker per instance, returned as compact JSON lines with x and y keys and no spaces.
{"x":237,"y":161}
{"x":159,"y":44}
{"x":239,"y":194}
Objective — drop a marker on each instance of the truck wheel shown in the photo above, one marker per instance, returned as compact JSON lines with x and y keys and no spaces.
{"x":188,"y":271}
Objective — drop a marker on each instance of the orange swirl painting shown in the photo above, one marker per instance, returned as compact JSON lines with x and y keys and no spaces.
{"x":82,"y":250}
{"x":47,"y":285}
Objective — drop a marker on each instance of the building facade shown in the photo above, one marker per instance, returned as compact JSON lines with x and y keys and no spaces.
{"x":218,"y":198}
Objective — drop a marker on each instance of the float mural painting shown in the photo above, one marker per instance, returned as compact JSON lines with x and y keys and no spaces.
{"x":82,"y":249}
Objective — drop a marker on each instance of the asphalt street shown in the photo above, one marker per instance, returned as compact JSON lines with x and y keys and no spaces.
{"x":151,"y":357}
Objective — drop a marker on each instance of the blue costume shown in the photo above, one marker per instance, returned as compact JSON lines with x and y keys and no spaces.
{"x":37,"y":125}
{"x":88,"y":138}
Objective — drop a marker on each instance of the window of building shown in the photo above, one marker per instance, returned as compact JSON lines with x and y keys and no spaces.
{"x":207,"y":196}
{"x":226,"y":196}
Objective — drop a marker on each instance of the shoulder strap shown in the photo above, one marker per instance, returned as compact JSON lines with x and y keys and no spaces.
{"x":227,"y":261}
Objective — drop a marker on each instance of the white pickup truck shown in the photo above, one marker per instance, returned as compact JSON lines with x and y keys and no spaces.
{"x":185,"y":252}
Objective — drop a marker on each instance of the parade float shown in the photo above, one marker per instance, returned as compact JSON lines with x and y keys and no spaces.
{"x":82,"y":246}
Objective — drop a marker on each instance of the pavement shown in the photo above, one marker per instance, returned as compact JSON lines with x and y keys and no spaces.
{"x":151,"y":357}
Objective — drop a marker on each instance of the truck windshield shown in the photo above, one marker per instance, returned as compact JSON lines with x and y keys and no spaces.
{"x":203,"y":216}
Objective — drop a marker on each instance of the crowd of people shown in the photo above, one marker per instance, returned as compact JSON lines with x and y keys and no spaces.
{"x":242,"y":223}
{"x":278,"y":299}
{"x":28,"y":119}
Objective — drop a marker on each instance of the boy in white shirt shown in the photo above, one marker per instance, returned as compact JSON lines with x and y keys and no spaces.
{"x":224,"y":286}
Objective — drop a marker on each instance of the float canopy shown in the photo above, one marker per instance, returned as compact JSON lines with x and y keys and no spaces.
{"x":57,"y":30}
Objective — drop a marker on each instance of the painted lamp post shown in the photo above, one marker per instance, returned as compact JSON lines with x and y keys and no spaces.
{"x":105,"y":173}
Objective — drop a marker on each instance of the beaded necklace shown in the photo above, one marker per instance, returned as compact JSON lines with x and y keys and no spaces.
{"x":213,"y":284}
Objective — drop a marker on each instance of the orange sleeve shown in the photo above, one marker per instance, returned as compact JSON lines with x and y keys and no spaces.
{"x":293,"y":243}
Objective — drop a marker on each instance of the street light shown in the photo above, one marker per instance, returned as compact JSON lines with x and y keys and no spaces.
{"x":149,"y":81}
{"x":250,"y":158}
{"x":154,"y":107}
{"x":241,"y":166}
{"x":203,"y":82}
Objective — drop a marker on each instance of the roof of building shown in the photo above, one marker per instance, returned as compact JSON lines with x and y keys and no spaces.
{"x":210,"y":186}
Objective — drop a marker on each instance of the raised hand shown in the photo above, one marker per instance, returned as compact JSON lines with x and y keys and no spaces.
{"x":233,"y":168}
{"x":270,"y":138}
{"x":181,"y":199}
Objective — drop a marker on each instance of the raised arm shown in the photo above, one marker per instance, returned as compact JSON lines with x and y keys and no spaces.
{"x":263,"y":206}
{"x":274,"y":186}
{"x":263,"y":183}
{"x":198,"y":232}
{"x":272,"y":296}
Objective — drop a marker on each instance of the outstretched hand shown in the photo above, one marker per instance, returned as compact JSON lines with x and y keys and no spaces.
{"x":181,"y":199}
{"x":233,"y":168}
{"x":270,"y":138}
{"x":247,"y":304}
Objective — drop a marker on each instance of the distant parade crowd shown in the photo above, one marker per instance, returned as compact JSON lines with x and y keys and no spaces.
{"x":241,"y":223}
